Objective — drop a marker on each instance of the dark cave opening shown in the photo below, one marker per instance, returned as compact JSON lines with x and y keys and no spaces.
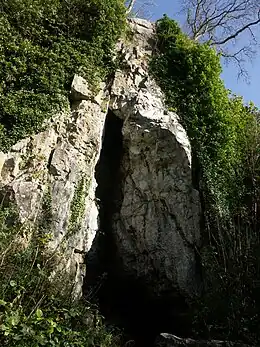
{"x":122,"y":300}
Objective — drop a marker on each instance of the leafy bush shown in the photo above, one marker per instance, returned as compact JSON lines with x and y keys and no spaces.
{"x":42,"y":45}
{"x":53,"y":324}
{"x":33,"y":313}
{"x":225,"y":138}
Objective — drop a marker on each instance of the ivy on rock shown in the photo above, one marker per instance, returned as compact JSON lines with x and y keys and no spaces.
{"x":42,"y":45}
{"x":225,"y":138}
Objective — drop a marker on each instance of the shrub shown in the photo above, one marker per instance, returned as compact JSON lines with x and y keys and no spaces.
{"x":33,"y":313}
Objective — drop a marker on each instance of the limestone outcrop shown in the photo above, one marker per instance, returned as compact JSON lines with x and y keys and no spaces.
{"x":156,"y":222}
{"x":157,"y":228}
{"x":54,"y":170}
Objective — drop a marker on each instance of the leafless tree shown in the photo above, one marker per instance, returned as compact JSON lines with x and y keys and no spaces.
{"x":140,"y":8}
{"x":229,"y":25}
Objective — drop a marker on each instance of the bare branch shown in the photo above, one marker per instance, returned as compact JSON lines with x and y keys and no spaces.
{"x":140,"y":8}
{"x":238,"y":32}
{"x":222,"y":23}
{"x":130,"y":6}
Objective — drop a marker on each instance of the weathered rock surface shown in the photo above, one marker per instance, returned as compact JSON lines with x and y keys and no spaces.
{"x":168,"y":340}
{"x":54,"y":170}
{"x":157,"y":226}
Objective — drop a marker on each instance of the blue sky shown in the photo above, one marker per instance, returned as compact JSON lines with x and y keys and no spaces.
{"x":251,"y":91}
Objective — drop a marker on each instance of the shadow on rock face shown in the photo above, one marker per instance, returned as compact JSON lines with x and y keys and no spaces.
{"x":127,"y":304}
{"x":123,"y":300}
{"x":130,"y":306}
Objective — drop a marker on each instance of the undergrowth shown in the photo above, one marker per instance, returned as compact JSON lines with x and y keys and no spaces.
{"x":33,"y":312}
{"x":225,"y":138}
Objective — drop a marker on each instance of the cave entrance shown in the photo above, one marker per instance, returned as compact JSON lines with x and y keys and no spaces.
{"x":122,"y":300}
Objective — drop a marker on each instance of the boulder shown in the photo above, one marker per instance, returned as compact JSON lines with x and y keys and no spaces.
{"x":80,"y":89}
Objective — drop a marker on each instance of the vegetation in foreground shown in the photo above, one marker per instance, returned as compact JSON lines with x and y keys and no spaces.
{"x":33,"y":312}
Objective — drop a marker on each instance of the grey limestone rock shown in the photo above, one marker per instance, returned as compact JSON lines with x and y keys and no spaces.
{"x":58,"y":165}
{"x":157,"y":227}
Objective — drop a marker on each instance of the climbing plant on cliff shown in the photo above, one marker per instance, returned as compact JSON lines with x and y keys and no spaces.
{"x":225,"y":137}
{"x":42,"y":45}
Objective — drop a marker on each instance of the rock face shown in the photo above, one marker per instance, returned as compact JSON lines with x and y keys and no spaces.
{"x":155,"y":222}
{"x":54,"y":170}
{"x":157,"y":226}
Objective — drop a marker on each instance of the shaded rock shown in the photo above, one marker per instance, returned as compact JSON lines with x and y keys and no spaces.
{"x":168,"y":340}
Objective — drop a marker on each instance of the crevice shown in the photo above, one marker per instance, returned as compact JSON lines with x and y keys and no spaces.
{"x":101,"y":258}
{"x":50,"y":159}
{"x":125,"y":301}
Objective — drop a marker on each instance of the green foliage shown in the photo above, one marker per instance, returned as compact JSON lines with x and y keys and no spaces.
{"x":42,"y":45}
{"x":77,"y":206}
{"x":53,"y":324}
{"x":189,"y":75}
{"x":225,"y":137}
{"x":32,"y":312}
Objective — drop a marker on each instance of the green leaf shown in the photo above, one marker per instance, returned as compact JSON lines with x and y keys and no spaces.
{"x":39,"y":313}
{"x":2,"y":302}
{"x":13,"y":283}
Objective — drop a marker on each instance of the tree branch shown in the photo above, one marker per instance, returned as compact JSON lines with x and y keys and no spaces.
{"x":238,"y":32}
{"x":221,"y":23}
{"x":130,"y":6}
